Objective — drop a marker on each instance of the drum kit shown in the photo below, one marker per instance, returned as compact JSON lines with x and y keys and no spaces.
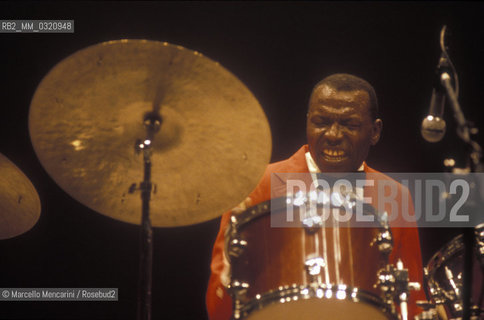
{"x":148,"y":133}
{"x":302,"y":270}
{"x":444,"y":277}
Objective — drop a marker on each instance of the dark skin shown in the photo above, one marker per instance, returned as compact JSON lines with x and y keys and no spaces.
{"x":340,"y":129}
{"x":338,"y":122}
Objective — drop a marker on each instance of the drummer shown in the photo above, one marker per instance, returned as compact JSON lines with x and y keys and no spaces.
{"x":342,"y":125}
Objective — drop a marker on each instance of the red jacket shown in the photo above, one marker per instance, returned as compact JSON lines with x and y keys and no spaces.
{"x":406,"y":240}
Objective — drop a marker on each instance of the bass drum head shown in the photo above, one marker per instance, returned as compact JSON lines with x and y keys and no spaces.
{"x":315,"y":309}
{"x":316,"y":303}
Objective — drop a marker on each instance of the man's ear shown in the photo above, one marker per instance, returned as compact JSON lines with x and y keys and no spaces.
{"x":376,"y":131}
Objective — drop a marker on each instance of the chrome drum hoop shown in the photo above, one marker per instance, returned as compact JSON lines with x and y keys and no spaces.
{"x":288,"y":294}
{"x":438,"y":260}
{"x":446,"y":291}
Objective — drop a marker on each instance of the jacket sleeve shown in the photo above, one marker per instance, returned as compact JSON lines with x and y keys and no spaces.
{"x":219,"y":303}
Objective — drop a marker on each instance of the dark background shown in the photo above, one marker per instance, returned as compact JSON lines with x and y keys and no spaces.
{"x":279,"y":50}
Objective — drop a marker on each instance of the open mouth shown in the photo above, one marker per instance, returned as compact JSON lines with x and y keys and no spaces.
{"x":334,"y":155}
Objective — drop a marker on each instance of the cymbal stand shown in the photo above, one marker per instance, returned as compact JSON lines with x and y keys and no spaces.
{"x":152,"y":123}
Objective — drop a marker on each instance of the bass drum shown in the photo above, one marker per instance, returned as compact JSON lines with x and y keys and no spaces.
{"x":444,"y":277}
{"x":306,"y":272}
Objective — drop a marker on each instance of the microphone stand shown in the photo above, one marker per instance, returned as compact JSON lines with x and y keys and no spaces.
{"x":463,"y":127}
{"x":464,"y":133}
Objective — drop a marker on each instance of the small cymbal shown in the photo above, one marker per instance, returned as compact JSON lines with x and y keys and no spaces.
{"x":19,"y":201}
{"x":87,"y":113}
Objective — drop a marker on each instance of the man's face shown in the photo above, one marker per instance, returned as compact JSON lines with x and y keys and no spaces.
{"x":340,"y":129}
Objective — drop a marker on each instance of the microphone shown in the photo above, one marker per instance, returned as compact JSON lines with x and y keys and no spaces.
{"x":433,"y":125}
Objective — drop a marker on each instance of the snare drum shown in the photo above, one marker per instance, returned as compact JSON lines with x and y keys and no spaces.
{"x":444,"y":276}
{"x":310,"y":273}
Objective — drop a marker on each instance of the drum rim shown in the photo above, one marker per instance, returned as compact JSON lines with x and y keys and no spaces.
{"x":258,"y":210}
{"x":446,"y":252}
{"x":306,"y":292}
{"x":240,"y":221}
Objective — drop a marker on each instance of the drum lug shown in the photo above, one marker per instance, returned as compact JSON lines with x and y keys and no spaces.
{"x":312,"y":224}
{"x":386,"y":283}
{"x":435,"y":291}
{"x":450,"y":277}
{"x":238,"y":291}
{"x":314,"y":267}
{"x":233,"y":225}
{"x":238,"y":288}
{"x":384,"y":241}
{"x":236,"y":247}
{"x":479,"y":232}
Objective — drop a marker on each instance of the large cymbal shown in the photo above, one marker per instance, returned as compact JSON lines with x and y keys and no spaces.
{"x":19,"y":201}
{"x":211,"y":151}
